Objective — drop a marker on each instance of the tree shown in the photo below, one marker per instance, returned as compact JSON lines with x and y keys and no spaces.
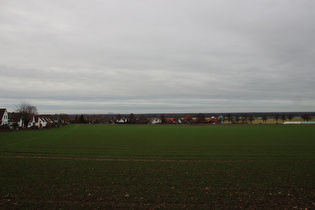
{"x":251,"y":119}
{"x":118,"y":117}
{"x":176,"y":119}
{"x":27,"y":111}
{"x":132,"y":118}
{"x":162,"y":118}
{"x":229,"y":117}
{"x":290,"y":116}
{"x":306,"y":117}
{"x":237,"y":119}
{"x":283,"y":117}
{"x":264,"y":118}
{"x":276,"y":118}
{"x":62,"y":118}
{"x":244,"y":118}
{"x":143,"y":119}
{"x":81,"y":119}
{"x":201,"y":118}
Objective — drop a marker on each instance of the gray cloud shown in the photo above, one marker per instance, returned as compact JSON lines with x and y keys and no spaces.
{"x":158,"y":56}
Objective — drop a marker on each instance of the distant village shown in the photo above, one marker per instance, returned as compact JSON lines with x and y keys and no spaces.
{"x":24,"y":120}
{"x":16,"y":120}
{"x":146,"y":119}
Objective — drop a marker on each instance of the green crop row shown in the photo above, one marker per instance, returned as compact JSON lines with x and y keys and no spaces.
{"x":161,"y":166}
{"x":164,"y":142}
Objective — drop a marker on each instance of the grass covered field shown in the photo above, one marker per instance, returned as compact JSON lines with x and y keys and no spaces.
{"x":159,"y":166}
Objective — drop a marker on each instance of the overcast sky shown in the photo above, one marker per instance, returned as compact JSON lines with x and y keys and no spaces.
{"x":158,"y":56}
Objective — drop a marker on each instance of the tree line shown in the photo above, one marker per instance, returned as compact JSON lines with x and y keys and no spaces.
{"x":27,"y":110}
{"x":245,"y":118}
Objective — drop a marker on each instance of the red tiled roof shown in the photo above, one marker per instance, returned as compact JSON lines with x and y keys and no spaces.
{"x":169,"y":119}
{"x":187,"y":117}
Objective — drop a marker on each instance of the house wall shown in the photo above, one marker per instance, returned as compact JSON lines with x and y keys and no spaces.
{"x":31,"y":122}
{"x":5,"y":118}
{"x":41,"y":123}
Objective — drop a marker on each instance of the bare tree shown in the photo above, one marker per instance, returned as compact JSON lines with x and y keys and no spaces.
{"x":143,"y":119}
{"x":283,"y":117}
{"x":118,"y":117}
{"x":244,"y":118}
{"x":290,"y":116}
{"x":201,"y":118}
{"x":82,"y":119}
{"x":229,"y":117}
{"x":237,"y":119}
{"x":251,"y":119}
{"x":27,"y":111}
{"x":163,"y":119}
{"x":132,"y":118}
{"x":306,"y":117}
{"x":62,"y":118}
{"x":264,"y":118}
{"x":276,"y":118}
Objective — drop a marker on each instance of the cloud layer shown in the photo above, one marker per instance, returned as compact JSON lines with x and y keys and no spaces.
{"x":157,"y":56}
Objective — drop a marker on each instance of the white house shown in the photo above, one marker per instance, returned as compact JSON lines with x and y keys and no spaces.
{"x":40,"y":122}
{"x":15,"y":119}
{"x":122,"y":120}
{"x":4,"y":117}
{"x":156,"y":121}
{"x":32,"y":121}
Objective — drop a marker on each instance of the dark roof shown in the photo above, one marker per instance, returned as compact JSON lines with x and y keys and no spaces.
{"x":2,"y":111}
{"x":14,"y":117}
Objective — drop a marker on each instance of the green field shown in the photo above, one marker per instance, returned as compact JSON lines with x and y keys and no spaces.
{"x":159,"y":166}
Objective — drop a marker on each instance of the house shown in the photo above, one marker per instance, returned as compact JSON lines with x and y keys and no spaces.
{"x":15,"y":119}
{"x":169,"y":120}
{"x":4,"y":117}
{"x":48,"y":120}
{"x":121,"y":121}
{"x":32,"y":121}
{"x":221,"y":119}
{"x":188,"y":119}
{"x":156,"y":121}
{"x":58,"y":120}
{"x":40,"y":122}
{"x":213,"y":120}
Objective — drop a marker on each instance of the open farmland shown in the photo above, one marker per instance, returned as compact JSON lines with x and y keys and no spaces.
{"x":161,"y":166}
